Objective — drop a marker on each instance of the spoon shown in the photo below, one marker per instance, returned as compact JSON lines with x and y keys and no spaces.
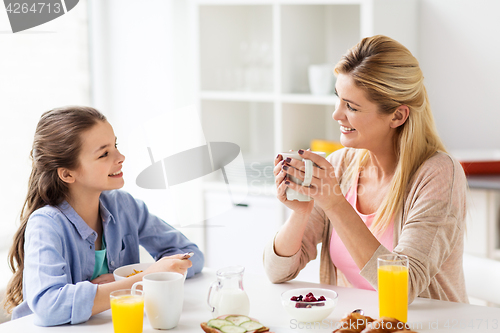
{"x":187,"y":255}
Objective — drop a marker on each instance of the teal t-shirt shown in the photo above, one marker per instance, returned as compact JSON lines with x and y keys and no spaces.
{"x":101,"y":261}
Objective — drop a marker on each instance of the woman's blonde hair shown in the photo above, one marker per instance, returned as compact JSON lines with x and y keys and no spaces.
{"x":390,"y":76}
{"x":56,"y":145}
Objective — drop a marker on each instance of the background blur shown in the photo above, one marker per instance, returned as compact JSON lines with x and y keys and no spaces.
{"x":135,"y":63}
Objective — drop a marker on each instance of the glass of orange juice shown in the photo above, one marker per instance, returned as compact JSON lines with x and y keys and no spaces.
{"x":393,"y":286}
{"x":127,"y":310}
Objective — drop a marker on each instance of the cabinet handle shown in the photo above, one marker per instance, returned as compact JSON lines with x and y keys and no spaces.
{"x":241,"y":205}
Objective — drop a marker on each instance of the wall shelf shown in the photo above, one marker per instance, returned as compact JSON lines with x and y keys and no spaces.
{"x":310,"y":99}
{"x":236,"y":96}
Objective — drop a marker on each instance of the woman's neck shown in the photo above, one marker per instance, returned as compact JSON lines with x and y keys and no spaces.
{"x":382,"y":165}
{"x":87,"y":207}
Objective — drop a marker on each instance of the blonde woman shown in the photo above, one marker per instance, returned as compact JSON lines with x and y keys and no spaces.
{"x":393,"y":189}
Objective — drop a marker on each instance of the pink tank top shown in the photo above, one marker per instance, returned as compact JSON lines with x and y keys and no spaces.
{"x":342,"y":259}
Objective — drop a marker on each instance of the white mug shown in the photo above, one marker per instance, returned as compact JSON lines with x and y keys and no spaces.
{"x":163,"y":298}
{"x":309,"y":165}
{"x":321,"y":79}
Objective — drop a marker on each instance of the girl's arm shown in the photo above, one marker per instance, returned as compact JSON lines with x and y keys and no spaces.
{"x":53,"y":284}
{"x":158,"y":237}
{"x":166,"y":264}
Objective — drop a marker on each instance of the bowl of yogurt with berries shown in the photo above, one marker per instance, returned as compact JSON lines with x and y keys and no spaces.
{"x":309,"y":304}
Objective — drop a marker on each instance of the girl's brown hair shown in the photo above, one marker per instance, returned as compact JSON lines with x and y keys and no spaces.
{"x":56,"y":145}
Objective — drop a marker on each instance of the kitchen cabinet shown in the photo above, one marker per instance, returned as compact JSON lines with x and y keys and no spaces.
{"x":483,"y":218}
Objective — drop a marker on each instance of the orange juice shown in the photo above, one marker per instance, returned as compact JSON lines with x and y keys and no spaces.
{"x":127,"y":312}
{"x":393,"y":291}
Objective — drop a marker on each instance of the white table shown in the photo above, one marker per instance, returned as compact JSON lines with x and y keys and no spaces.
{"x":424,"y":315}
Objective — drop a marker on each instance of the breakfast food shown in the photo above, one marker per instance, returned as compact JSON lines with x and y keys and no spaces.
{"x":233,"y":324}
{"x":309,"y":305}
{"x":387,"y":325}
{"x":358,"y":323}
{"x":134,"y":273}
{"x":309,"y":301}
{"x":354,"y":323}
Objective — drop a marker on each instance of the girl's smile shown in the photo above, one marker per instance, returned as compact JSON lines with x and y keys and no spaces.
{"x":117,"y":174}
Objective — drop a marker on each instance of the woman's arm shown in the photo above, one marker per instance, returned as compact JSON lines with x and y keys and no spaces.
{"x":357,"y":238}
{"x":325,"y":190}
{"x":295,"y":243}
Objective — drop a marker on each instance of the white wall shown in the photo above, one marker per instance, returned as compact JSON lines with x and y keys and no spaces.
{"x":41,"y":68}
{"x":459,"y":55}
{"x":141,"y":65}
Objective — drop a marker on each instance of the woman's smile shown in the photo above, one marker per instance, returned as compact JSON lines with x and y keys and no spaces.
{"x":346,"y":130}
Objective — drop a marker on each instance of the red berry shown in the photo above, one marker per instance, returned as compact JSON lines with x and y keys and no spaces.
{"x":322,"y":298}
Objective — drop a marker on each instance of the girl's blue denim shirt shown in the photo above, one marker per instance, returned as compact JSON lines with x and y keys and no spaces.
{"x":60,"y":255}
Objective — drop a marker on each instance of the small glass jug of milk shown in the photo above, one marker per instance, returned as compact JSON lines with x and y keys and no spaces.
{"x":226,"y":296}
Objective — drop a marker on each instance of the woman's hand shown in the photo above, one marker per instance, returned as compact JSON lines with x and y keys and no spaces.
{"x":105,"y":278}
{"x":324,"y":188}
{"x":173,"y":263}
{"x":300,"y":207}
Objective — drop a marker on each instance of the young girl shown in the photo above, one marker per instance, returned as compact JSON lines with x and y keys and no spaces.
{"x":77,"y":228}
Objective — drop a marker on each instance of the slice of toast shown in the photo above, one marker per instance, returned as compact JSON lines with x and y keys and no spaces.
{"x":209,"y":329}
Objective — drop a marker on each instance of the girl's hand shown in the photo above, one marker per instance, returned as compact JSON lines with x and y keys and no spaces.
{"x":300,"y":207}
{"x":324,"y":188}
{"x":105,"y":278}
{"x":173,"y":263}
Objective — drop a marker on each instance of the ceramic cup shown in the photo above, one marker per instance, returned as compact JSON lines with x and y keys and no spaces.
{"x":321,"y":79}
{"x":309,"y":165}
{"x":163,"y":298}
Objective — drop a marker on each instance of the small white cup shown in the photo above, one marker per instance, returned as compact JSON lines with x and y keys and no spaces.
{"x":321,"y":79}
{"x":292,"y":194}
{"x":163,"y":298}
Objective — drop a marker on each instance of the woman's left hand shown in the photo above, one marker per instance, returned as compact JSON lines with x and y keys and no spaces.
{"x":105,"y":278}
{"x":324,"y":188}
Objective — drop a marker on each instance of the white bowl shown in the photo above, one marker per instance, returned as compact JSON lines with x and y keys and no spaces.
{"x":309,"y":311}
{"x":122,"y":272}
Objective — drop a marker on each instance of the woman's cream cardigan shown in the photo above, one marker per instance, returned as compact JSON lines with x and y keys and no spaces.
{"x":429,"y":230}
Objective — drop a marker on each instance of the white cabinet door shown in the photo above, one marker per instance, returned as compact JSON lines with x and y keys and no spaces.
{"x":238,"y":236}
{"x":476,"y":237}
{"x":482,"y":235}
